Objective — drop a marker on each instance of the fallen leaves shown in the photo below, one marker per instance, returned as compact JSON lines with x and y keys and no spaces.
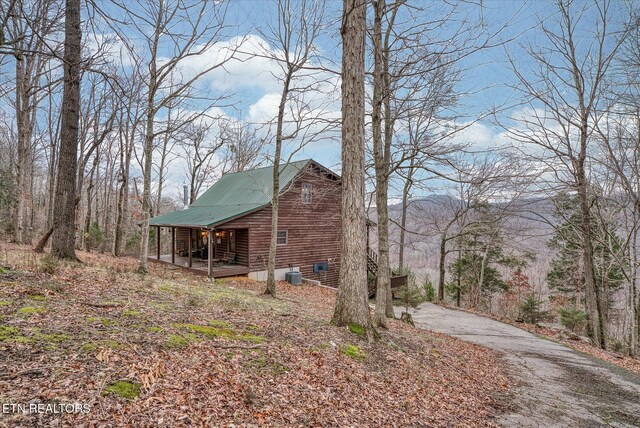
{"x":245,"y":360}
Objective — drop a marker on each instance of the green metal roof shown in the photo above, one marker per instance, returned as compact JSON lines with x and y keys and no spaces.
{"x":232,"y":196}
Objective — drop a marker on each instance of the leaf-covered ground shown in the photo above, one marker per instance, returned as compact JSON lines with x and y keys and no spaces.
{"x":172,"y":349}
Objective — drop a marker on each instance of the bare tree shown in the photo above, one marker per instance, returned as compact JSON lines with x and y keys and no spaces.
{"x":64,"y":234}
{"x":185,"y":30}
{"x":199,"y":153}
{"x":129,"y":120}
{"x":351,"y":303}
{"x":565,"y":91}
{"x":242,"y":147}
{"x":618,"y":136}
{"x":294,"y":37}
{"x":31,"y":26}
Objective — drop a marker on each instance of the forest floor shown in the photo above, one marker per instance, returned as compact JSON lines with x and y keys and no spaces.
{"x":555,"y":386}
{"x":173,"y":349}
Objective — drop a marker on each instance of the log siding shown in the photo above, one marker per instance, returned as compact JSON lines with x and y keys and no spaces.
{"x":313,"y":229}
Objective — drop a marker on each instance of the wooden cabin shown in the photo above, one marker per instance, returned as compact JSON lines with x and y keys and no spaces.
{"x":227,"y":230}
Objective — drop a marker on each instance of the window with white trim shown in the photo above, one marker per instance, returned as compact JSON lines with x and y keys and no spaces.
{"x":307,"y":189}
{"x":282,"y":238}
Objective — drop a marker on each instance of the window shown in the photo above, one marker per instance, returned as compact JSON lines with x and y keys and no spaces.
{"x":283,"y":237}
{"x":307,"y":188}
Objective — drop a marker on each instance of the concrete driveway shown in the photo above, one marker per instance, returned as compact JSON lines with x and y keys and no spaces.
{"x":555,"y":385}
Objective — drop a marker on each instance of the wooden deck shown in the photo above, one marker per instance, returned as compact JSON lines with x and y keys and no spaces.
{"x":199,"y":267}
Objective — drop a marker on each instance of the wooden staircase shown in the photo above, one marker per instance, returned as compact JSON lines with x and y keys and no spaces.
{"x":397,"y":280}
{"x":372,"y":268}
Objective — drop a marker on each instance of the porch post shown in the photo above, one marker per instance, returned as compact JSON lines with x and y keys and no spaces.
{"x":368,"y":226}
{"x":190,"y":255}
{"x":210,"y":253}
{"x":215,"y":243}
{"x":158,"y":242}
{"x":173,"y":245}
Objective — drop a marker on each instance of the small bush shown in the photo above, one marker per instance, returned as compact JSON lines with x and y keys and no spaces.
{"x":573,"y":318}
{"x":94,"y":236}
{"x":530,"y":310}
{"x":48,"y":264}
{"x":429,"y":291}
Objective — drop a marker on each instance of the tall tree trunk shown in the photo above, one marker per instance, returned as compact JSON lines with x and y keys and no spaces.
{"x":150,"y":113}
{"x":351,"y":303}
{"x":162,"y":166}
{"x":595,"y":321}
{"x":403,"y":218}
{"x":123,"y":193}
{"x":64,"y":234}
{"x":381,"y":168}
{"x":442,"y":266}
{"x":388,"y":137}
{"x":634,"y":304}
{"x":476,"y":291}
{"x":25,"y":161}
{"x":88,"y":213}
{"x":458,"y":280}
{"x":146,"y":192}
{"x":275,"y":198}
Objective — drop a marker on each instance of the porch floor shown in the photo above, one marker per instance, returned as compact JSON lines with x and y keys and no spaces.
{"x":199,"y":266}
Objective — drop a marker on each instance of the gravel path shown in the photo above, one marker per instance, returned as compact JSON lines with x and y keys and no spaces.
{"x":557,"y":386}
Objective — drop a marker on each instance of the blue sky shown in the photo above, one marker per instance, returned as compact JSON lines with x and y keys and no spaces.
{"x":485,"y":81}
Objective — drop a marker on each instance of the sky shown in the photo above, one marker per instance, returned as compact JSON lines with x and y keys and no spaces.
{"x":251,"y":82}
{"x":484,"y":78}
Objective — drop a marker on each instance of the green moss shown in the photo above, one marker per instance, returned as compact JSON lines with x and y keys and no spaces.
{"x":175,"y":341}
{"x":37,"y":297}
{"x":124,"y":389}
{"x":8,"y":333}
{"x":27,"y":311}
{"x":131,"y":313}
{"x":354,"y":352}
{"x":108,"y":343}
{"x":250,"y":338}
{"x":153,"y":329}
{"x":50,"y":337}
{"x":208,"y":331}
{"x":4,"y":303}
{"x":214,"y":332}
{"x":88,"y":347}
{"x":217,"y":323}
{"x":13,"y":335}
{"x":356,"y":328}
{"x":3,"y":270}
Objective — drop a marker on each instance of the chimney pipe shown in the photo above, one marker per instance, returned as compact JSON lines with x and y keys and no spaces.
{"x":185,"y":195}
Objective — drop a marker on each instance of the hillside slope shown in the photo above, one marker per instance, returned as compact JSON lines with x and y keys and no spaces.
{"x":172,"y":349}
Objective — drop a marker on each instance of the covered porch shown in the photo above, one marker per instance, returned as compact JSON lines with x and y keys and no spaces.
{"x":215,"y":252}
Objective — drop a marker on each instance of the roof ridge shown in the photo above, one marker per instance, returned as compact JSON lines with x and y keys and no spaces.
{"x":270,"y":166}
